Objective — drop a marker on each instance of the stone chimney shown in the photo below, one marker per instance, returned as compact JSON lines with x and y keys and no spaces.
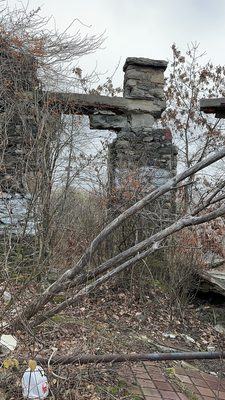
{"x":142,"y":157}
{"x":144,"y":78}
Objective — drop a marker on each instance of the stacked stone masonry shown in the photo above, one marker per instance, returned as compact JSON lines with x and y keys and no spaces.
{"x":139,"y":150}
{"x":17,"y":132}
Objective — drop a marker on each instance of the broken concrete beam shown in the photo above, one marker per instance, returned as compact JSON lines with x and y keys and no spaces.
{"x":69,"y":103}
{"x":213,"y":106}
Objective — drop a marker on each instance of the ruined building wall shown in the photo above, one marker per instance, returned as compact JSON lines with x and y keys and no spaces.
{"x":17,"y":129}
{"x":140,"y":157}
{"x":17,"y":76}
{"x":139,"y":147}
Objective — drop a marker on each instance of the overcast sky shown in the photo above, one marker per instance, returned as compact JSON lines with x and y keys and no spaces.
{"x":141,"y":28}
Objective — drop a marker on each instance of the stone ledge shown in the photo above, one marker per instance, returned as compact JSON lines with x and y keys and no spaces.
{"x":88,"y":104}
{"x":145,"y":62}
{"x":213,"y":106}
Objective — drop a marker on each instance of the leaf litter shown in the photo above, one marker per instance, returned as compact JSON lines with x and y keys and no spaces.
{"x":112,"y":321}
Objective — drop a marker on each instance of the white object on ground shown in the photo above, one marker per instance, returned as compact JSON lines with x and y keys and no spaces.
{"x":8,"y":341}
{"x":188,"y":338}
{"x":7,"y":297}
{"x":211,"y":348}
{"x":220,"y":328}
{"x":35,"y":383}
{"x":169,"y":335}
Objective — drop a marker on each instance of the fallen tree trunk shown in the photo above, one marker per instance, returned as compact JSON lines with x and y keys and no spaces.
{"x":68,"y":279}
{"x":108,"y":358}
{"x":139,"y":249}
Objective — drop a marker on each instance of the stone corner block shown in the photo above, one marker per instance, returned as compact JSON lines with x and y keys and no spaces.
{"x":108,"y":121}
{"x":142,"y":120}
{"x":145,"y":62}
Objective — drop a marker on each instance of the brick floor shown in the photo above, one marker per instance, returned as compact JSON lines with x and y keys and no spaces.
{"x":150,"y":381}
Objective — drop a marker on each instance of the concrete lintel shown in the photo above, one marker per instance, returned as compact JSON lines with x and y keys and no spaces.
{"x":69,"y":103}
{"x":213,"y":106}
{"x":145,"y":62}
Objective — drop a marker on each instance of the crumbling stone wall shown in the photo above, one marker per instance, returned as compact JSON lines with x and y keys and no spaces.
{"x":18,"y":74}
{"x":139,"y":151}
{"x":142,"y":157}
{"x":140,"y":146}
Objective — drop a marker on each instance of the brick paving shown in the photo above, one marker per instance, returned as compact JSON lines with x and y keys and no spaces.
{"x":149,"y":381}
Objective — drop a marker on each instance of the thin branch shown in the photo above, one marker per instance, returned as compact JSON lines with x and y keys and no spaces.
{"x":153,"y":241}
{"x":71,"y":273}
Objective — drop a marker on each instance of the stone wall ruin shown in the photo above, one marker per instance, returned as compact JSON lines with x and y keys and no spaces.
{"x":17,"y":132}
{"x":139,"y":151}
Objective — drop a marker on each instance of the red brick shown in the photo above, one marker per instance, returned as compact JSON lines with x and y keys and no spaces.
{"x":209,"y":378}
{"x":169,"y":395}
{"x":151,"y":392}
{"x":182,"y":396}
{"x":163,"y":385}
{"x":151,"y":382}
{"x":184,"y":378}
{"x":153,"y":397}
{"x":145,"y":383}
{"x":153,"y":370}
{"x":193,"y":373}
{"x":188,"y":372}
{"x":130,"y":379}
{"x":142,"y":376}
{"x":154,"y":367}
{"x":215,"y":386}
{"x":158,"y":377}
{"x":180,"y":370}
{"x":140,"y":370}
{"x":220,"y":395}
{"x":125,"y":373}
{"x":192,"y":387}
{"x":208,"y":398}
{"x":200,"y":382}
{"x":135,"y":390}
{"x":124,"y":369}
{"x":124,"y":378}
{"x":206,"y":392}
{"x":149,"y":364}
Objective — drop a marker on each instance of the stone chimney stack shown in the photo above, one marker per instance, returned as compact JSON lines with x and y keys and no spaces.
{"x":144,"y":78}
{"x":140,"y":149}
{"x":142,"y":156}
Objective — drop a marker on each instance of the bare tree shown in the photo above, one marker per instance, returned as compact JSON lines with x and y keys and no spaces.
{"x":194,"y":133}
{"x":82,"y":278}
{"x":33,"y":60}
